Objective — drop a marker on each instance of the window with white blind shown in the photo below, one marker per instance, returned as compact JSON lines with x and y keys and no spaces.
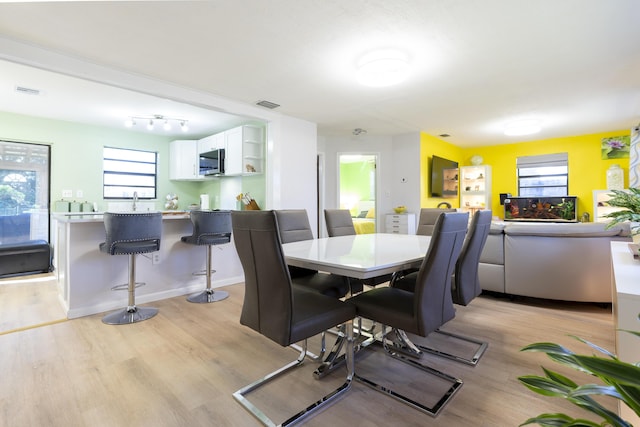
{"x":543,"y":176}
{"x":129,"y":171}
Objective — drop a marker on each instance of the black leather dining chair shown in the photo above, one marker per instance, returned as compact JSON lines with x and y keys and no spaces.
{"x":293,"y":226}
{"x":283,"y":313}
{"x":465,"y":284}
{"x":422,"y":311}
{"x":427,"y":219}
{"x":339,"y":222}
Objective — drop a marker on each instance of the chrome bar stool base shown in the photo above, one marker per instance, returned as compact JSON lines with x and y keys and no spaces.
{"x":129,"y":315}
{"x":207,"y":296}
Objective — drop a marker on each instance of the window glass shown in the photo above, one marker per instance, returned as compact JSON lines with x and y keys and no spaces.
{"x":24,"y":192}
{"x":543,"y":176}
{"x":129,"y":171}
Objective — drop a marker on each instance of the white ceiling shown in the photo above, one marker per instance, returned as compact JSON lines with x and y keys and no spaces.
{"x":574,"y":64}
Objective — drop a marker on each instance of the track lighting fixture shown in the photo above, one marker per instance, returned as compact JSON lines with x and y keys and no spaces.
{"x":151,"y":121}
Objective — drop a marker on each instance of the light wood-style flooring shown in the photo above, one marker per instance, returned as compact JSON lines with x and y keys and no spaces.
{"x":181,"y":367}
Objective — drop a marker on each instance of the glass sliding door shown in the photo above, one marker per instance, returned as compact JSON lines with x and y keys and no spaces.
{"x":24,"y":192}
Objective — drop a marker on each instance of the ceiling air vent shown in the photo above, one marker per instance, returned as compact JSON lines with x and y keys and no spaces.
{"x":268,"y":104}
{"x":27,"y":90}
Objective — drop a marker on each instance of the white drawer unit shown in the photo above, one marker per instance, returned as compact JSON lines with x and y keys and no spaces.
{"x":400,"y":223}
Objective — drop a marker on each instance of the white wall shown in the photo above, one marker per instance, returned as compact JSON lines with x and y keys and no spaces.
{"x":291,"y":166}
{"x":405,"y":181}
{"x":398,"y":157}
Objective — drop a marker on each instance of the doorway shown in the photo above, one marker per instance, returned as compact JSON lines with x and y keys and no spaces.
{"x":24,"y":192}
{"x":357,"y":189}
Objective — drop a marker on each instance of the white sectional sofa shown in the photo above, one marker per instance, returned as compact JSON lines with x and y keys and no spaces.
{"x":561,"y":261}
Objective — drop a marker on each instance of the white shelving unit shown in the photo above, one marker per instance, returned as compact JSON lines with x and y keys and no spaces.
{"x":245,"y":151}
{"x":475,"y":188}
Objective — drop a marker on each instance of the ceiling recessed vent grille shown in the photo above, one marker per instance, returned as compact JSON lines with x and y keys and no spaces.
{"x":27,"y":90}
{"x":268,"y":104}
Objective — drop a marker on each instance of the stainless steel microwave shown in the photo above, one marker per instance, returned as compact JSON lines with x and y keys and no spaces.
{"x":212,"y":162}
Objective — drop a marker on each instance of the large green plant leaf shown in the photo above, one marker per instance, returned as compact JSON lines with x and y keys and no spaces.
{"x":559,"y":420}
{"x":621,"y":381}
{"x":613,"y":370}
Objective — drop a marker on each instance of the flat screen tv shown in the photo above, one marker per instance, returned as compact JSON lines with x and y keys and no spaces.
{"x":444,"y":177}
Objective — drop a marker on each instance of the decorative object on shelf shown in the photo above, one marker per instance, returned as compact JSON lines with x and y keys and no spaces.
{"x":400,"y":209}
{"x":615,"y":177}
{"x":616,"y":147}
{"x":172,"y":202}
{"x":476,"y":160}
{"x":248,"y":202}
{"x":250,"y":168}
{"x":618,"y":380}
{"x":444,"y":205}
{"x":630,"y":201}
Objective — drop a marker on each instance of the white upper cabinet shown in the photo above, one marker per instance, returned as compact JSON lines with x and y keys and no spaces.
{"x":183,"y":160}
{"x":210,"y":143}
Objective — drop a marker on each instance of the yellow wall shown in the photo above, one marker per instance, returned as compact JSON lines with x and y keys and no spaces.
{"x":430,"y":146}
{"x":587,"y":171}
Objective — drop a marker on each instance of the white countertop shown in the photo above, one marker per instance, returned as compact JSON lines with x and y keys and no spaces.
{"x":98,"y":216}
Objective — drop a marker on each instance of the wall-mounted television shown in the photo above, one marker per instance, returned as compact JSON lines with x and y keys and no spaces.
{"x":444,"y":177}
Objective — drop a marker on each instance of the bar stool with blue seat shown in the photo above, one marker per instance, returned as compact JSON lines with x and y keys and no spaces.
{"x":209,"y":228}
{"x":131,"y":234}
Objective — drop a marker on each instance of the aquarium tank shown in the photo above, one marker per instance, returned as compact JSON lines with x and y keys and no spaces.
{"x":549,"y":209}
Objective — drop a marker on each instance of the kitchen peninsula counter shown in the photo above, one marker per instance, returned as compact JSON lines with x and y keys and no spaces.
{"x":85,"y":275}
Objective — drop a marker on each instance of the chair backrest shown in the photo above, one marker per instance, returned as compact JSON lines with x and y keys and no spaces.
{"x":128,"y":233}
{"x":211,"y":227}
{"x":293,"y":225}
{"x":339,"y":222}
{"x":427,"y":220}
{"x":432,"y":295}
{"x":466,"y":284}
{"x":268,"y":298}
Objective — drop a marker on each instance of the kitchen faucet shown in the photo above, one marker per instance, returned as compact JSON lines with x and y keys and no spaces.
{"x":135,"y":200}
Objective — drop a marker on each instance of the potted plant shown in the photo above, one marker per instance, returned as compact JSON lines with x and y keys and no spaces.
{"x":618,"y":379}
{"x":630,"y":201}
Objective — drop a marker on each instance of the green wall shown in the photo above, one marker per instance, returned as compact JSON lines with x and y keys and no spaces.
{"x":76,"y":156}
{"x":355,"y":182}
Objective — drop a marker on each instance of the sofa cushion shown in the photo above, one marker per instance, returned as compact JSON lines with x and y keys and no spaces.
{"x":587,"y":229}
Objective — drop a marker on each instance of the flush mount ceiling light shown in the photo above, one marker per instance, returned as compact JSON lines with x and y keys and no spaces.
{"x":151,"y":120}
{"x":383,"y":67}
{"x":522,"y":127}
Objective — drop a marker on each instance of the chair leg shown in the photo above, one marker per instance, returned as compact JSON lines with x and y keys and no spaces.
{"x":311,"y":355}
{"x":473,"y":360}
{"x":208,"y":295}
{"x":132,"y":313}
{"x":434,"y":410}
{"x":329,"y":398}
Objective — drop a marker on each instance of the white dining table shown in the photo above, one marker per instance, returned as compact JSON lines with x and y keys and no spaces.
{"x":360,"y":256}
